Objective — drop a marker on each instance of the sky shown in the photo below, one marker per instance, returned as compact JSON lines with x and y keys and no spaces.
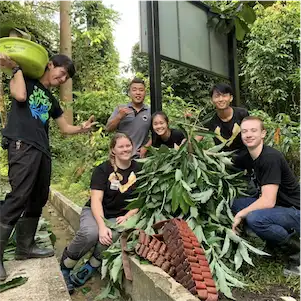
{"x":127,"y":30}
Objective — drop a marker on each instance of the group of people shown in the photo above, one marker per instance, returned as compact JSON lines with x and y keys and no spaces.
{"x":273,"y":214}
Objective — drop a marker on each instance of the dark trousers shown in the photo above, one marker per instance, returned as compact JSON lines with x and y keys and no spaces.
{"x":274,"y":225}
{"x":29,"y":176}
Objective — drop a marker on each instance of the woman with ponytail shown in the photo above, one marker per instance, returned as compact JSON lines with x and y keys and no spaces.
{"x":112,"y":183}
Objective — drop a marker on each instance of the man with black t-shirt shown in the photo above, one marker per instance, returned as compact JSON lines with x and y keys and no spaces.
{"x":275,"y":215}
{"x":29,"y":159}
{"x":226,"y":122}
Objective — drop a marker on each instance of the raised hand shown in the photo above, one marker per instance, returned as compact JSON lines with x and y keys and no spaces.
{"x":87,"y":125}
{"x":6,"y":62}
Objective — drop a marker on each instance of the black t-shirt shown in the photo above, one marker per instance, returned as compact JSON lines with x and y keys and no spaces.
{"x":114,"y":198}
{"x":228,"y":131}
{"x":176,"y":137}
{"x":271,"y":168}
{"x":28,"y":121}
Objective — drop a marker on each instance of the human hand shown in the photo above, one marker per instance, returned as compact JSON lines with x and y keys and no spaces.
{"x":142,"y":152}
{"x":87,"y":125}
{"x":105,"y":236}
{"x":123,"y":111}
{"x":7,"y":62}
{"x":236,"y":223}
{"x":121,"y":219}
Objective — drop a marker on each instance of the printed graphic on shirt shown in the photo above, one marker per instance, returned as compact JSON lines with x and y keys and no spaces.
{"x":39,"y":104}
{"x":115,"y":176}
{"x":235,"y":132}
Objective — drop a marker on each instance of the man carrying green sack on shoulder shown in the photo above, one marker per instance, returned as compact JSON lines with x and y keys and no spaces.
{"x":29,"y":158}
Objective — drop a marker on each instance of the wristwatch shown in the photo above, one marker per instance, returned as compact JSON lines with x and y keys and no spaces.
{"x":16,"y":69}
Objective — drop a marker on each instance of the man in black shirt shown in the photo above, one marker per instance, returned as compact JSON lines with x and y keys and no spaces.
{"x":227,"y":119}
{"x":29,"y":156}
{"x":225,"y":123}
{"x":275,"y":215}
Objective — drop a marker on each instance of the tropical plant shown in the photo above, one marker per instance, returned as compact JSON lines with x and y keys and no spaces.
{"x":271,"y":60}
{"x":230,"y":15}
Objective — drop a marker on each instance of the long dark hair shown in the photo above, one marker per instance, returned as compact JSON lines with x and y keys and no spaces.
{"x":162,"y":114}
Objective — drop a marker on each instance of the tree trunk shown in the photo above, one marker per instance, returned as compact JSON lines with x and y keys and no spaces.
{"x":66,"y":48}
{"x":2,"y":103}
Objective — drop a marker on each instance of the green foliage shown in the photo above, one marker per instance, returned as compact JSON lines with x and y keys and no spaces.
{"x":94,"y":54}
{"x":282,"y":132}
{"x":35,"y":18}
{"x":197,"y":184}
{"x":233,"y":15}
{"x":271,"y":66}
{"x":15,"y":282}
{"x":99,"y":103}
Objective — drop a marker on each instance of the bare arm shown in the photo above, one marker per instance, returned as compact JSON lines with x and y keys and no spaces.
{"x":69,"y":129}
{"x":131,"y":213}
{"x":17,"y":84}
{"x":113,"y":123}
{"x":266,"y":200}
{"x":142,"y":151}
{"x":17,"y":87}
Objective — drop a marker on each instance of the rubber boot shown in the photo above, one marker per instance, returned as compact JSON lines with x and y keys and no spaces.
{"x":67,"y":264}
{"x":85,"y":272}
{"x":25,"y":244}
{"x":5,"y":231}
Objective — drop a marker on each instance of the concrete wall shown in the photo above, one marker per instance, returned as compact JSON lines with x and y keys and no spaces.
{"x":149,"y":283}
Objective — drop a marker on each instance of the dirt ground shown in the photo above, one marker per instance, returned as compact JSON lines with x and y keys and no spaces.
{"x":64,"y":235}
{"x":273,"y":294}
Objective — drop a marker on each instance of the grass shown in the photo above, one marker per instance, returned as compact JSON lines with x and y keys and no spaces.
{"x":268,"y":273}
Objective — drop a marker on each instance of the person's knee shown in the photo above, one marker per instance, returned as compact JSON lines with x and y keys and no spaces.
{"x":90,"y":234}
{"x":255,"y":221}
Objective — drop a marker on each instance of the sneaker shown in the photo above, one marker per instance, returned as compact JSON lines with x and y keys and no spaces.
{"x":292,"y":270}
{"x":83,"y":275}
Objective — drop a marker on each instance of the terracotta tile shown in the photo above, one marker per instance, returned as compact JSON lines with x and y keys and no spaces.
{"x":203,"y":294}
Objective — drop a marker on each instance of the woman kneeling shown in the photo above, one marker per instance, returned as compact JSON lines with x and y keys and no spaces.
{"x":112,"y":183}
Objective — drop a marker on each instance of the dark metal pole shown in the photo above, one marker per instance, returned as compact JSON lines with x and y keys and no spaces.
{"x":233,"y":67}
{"x":154,"y":55}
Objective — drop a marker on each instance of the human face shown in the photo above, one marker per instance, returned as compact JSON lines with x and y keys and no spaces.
{"x":160,"y":125}
{"x":251,"y":133}
{"x":57,"y":75}
{"x":123,"y":149}
{"x":137,"y":93}
{"x":221,"y":100}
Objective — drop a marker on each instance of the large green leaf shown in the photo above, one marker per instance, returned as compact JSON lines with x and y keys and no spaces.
{"x":175,"y":198}
{"x":223,"y":286}
{"x":244,"y":253}
{"x":248,"y":14}
{"x":239,"y":29}
{"x":116,"y":268}
{"x":17,"y":281}
{"x":178,"y":175}
{"x":225,"y":246}
{"x":238,"y":259}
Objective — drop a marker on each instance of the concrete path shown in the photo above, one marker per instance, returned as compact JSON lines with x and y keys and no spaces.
{"x":45,"y":281}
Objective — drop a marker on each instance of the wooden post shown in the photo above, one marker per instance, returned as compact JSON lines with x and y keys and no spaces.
{"x":66,"y":48}
{"x":2,"y":103}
